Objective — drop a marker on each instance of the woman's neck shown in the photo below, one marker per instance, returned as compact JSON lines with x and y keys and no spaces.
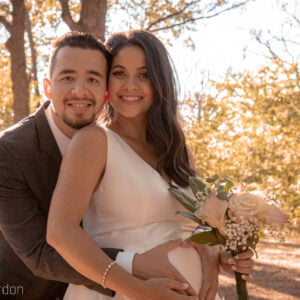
{"x":134,"y":129}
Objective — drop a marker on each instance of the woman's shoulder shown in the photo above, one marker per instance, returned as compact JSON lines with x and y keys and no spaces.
{"x":89,"y":137}
{"x":90,"y":132}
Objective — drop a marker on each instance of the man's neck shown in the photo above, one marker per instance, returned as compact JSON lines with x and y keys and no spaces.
{"x":61,"y":125}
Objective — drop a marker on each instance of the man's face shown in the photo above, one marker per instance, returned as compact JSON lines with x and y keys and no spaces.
{"x":77,"y":87}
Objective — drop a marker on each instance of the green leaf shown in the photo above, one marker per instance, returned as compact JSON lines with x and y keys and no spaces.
{"x":185,"y":200}
{"x":222,"y":195}
{"x":229,"y":184}
{"x":212,"y":178}
{"x":220,"y":238}
{"x":197,"y":185}
{"x":206,"y":237}
{"x":190,"y":216}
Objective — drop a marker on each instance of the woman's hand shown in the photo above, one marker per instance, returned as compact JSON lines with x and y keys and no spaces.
{"x":242,"y":263}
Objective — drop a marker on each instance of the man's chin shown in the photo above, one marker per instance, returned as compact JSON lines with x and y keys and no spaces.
{"x":78,"y":124}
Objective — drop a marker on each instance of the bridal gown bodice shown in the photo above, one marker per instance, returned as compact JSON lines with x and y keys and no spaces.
{"x":131,"y":209}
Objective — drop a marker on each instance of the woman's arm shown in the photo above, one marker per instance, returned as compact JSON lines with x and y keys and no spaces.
{"x":81,"y":170}
{"x":80,"y":173}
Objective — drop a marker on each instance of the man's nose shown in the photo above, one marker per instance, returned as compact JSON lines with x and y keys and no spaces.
{"x":79,"y":88}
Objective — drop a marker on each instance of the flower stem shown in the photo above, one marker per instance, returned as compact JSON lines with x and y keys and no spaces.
{"x":241,"y":287}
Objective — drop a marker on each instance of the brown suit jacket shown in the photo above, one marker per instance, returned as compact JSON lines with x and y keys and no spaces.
{"x":29,"y":166}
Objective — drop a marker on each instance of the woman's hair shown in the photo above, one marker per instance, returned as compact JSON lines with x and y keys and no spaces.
{"x":163,"y":128}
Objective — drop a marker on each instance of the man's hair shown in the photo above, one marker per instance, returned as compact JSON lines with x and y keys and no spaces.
{"x":76,"y":39}
{"x":163,"y":127}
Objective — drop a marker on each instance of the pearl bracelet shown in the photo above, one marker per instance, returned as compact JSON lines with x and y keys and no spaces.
{"x":111,"y":264}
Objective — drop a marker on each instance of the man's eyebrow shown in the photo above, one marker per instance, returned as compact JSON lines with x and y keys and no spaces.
{"x":122,"y":67}
{"x":70,"y":71}
{"x":95,"y":73}
{"x":66,"y":71}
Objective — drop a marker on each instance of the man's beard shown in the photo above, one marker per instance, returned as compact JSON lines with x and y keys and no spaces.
{"x":78,"y":123}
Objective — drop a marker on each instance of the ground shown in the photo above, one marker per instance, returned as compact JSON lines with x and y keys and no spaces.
{"x":277,"y":273}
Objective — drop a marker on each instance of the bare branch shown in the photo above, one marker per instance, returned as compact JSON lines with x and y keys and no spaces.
{"x":267,"y":45}
{"x":199,"y":18}
{"x":66,"y":15}
{"x":291,"y":15}
{"x":172,"y":15}
{"x":7,"y":25}
{"x":296,"y":19}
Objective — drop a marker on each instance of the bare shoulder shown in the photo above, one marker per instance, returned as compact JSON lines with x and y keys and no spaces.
{"x":90,"y":134}
{"x":90,"y":140}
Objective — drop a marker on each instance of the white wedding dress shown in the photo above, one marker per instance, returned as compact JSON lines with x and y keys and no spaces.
{"x":133,"y":210}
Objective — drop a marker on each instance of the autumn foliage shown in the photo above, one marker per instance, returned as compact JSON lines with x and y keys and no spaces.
{"x":249,"y":130}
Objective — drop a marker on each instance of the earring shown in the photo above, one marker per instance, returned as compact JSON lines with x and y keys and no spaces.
{"x":106,"y":97}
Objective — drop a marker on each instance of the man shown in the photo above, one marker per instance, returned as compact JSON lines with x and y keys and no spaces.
{"x":30,"y":157}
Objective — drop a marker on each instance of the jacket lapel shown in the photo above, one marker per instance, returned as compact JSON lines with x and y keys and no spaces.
{"x":49,"y":157}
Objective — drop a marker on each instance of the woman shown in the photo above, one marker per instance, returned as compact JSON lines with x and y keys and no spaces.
{"x":126,"y":170}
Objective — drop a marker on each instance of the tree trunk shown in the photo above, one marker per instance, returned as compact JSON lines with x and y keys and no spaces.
{"x":34,"y":71}
{"x":15,"y":45}
{"x":92,"y":17}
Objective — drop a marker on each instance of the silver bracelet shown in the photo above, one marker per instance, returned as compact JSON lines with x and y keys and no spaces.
{"x":111,"y":264}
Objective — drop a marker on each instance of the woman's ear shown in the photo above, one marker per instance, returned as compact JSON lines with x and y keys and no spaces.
{"x":47,"y":88}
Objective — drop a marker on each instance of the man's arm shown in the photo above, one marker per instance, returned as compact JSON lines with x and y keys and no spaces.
{"x":23,"y":224}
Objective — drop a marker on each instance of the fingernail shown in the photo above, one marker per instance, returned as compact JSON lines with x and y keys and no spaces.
{"x":236,"y":257}
{"x":233,"y":268}
{"x":244,"y":277}
{"x":186,"y":285}
{"x":231,"y":261}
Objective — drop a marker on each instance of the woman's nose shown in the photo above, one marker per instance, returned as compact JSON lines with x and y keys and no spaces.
{"x":131,"y":83}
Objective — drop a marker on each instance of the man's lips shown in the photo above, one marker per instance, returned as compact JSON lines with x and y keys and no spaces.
{"x":79,"y":106}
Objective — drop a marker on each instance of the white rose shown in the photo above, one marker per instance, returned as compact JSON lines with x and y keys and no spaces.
{"x":246,"y":204}
{"x":249,"y":204}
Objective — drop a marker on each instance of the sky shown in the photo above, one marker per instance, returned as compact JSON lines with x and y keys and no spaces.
{"x":224,"y":42}
{"x":220,"y":42}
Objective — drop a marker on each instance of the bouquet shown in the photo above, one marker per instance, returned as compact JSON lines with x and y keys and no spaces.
{"x":229,"y":215}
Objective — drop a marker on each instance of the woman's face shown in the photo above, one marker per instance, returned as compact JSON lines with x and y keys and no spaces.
{"x":130,"y":90}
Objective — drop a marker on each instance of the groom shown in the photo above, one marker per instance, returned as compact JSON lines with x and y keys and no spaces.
{"x":30,"y":157}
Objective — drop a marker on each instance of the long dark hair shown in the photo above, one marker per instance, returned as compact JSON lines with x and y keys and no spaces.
{"x":163,"y":128}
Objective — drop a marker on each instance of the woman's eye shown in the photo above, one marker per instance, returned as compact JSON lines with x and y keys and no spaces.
{"x":118,"y":73}
{"x":144,"y":75}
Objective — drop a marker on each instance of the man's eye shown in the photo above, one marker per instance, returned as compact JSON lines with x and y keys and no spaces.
{"x":93,"y":80}
{"x":67,"y":78}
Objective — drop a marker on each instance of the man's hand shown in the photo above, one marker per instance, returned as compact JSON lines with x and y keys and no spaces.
{"x":154,"y":263}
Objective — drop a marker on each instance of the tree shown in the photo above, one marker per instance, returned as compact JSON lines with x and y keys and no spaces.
{"x":15,"y":45}
{"x":249,"y":130}
{"x":94,"y":16}
{"x":286,"y":45}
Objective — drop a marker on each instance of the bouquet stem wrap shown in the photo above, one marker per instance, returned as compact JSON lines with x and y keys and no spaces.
{"x":241,"y":287}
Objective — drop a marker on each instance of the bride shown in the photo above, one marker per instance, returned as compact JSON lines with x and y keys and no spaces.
{"x":116,"y":179}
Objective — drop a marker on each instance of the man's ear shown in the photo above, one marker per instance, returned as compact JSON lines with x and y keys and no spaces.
{"x":47,"y":88}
